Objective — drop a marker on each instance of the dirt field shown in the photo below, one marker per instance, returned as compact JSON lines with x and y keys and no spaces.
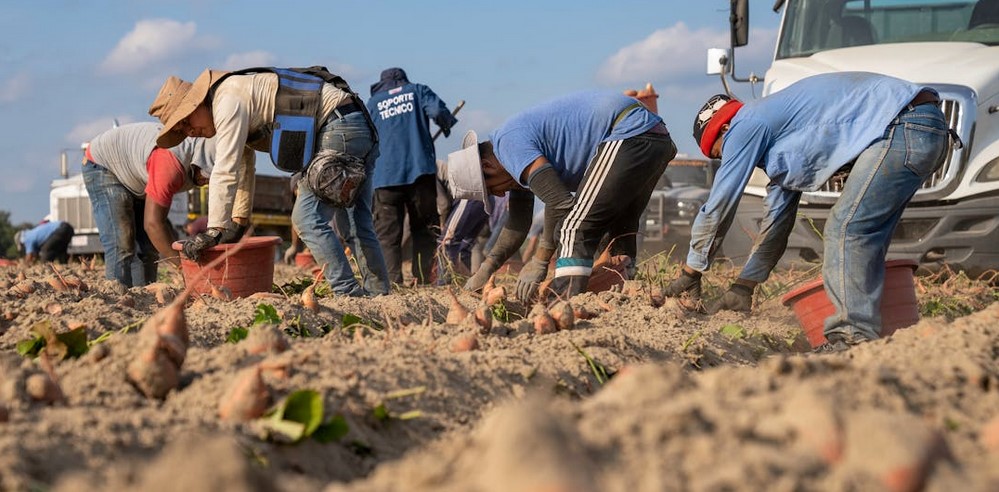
{"x":637,"y":398}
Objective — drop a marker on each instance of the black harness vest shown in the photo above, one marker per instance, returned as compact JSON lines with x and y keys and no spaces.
{"x":297,"y":108}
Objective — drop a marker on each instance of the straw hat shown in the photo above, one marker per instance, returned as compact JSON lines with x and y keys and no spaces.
{"x":176,"y":100}
{"x":464,"y":173}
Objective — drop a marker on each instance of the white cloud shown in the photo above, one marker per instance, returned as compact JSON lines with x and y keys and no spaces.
{"x":248,"y":59}
{"x":15,"y":88}
{"x":83,"y":132}
{"x":150,"y":42}
{"x":679,"y":53}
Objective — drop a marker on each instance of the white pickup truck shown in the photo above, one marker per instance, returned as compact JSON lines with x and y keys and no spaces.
{"x":950,"y":45}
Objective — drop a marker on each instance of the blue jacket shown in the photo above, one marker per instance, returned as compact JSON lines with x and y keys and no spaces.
{"x":402,"y":112}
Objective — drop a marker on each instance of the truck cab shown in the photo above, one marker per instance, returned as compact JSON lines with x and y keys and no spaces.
{"x":949,"y":45}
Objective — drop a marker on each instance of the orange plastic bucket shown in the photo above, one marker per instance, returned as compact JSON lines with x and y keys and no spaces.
{"x":899,"y":307}
{"x":248,"y":271}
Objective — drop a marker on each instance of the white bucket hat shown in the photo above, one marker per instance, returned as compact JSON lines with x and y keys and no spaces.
{"x":464,"y":173}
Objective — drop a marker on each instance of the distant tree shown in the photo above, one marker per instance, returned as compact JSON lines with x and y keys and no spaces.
{"x":7,"y":230}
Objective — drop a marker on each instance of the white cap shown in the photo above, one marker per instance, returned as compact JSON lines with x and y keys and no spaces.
{"x":464,"y":173}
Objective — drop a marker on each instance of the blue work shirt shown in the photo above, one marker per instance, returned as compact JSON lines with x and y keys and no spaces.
{"x":402,"y":116}
{"x":34,"y":238}
{"x":799,"y":137}
{"x":567,"y":131}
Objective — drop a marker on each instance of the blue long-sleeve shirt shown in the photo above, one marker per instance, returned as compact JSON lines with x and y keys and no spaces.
{"x":799,"y":137}
{"x":36,"y":236}
{"x":401,"y":111}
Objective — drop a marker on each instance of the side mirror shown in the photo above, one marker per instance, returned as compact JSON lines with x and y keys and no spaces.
{"x":739,"y":22}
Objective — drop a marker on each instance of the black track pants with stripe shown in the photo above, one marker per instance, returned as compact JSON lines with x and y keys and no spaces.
{"x":610,"y":200}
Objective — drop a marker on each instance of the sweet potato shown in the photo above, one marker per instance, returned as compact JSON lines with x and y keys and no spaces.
{"x":495,"y":296}
{"x":153,"y":373}
{"x":458,"y":312}
{"x":247,"y":397}
{"x":484,"y":318}
{"x":464,"y":343}
{"x":543,"y":321}
{"x":564,"y":317}
{"x":40,"y":387}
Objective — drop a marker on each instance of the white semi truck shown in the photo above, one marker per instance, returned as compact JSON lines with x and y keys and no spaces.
{"x":950,"y":45}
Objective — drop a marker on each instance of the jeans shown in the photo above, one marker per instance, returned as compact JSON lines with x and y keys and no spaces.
{"x":312,"y":216}
{"x":129,"y":255}
{"x":884,"y":178}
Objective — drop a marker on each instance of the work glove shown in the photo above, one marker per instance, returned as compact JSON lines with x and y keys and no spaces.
{"x":477,"y":281}
{"x":738,"y":297}
{"x":531,"y":276}
{"x":214,"y":235}
{"x":686,"y":283}
{"x":289,"y":255}
{"x":568,"y":286}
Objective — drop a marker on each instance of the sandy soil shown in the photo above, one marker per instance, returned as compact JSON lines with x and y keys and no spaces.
{"x":696,"y":402}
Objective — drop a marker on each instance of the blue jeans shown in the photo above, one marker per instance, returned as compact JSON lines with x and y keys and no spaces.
{"x":119,"y":218}
{"x":861,"y":223}
{"x":312,"y":216}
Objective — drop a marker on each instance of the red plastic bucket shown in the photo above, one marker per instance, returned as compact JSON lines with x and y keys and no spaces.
{"x":248,"y":271}
{"x":899,"y":307}
{"x":305,"y":260}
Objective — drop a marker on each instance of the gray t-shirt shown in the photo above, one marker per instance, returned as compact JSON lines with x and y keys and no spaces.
{"x":124,"y":151}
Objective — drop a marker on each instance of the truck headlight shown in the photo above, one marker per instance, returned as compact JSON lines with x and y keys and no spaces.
{"x":990,"y":172}
{"x":687,"y":208}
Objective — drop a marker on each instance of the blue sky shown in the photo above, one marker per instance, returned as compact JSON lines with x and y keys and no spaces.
{"x":71,"y":67}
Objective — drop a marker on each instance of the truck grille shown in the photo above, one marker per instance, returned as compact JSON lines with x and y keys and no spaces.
{"x":76,"y":211}
{"x":952,"y":113}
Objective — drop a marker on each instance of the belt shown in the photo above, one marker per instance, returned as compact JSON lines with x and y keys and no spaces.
{"x":924,"y":97}
{"x":624,"y":112}
{"x":346,"y":109}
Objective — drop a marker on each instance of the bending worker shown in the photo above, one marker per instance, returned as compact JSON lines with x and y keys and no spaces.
{"x":888,"y":134}
{"x":131,"y":184}
{"x":310,"y":122}
{"x":47,"y":241}
{"x":596,"y":144}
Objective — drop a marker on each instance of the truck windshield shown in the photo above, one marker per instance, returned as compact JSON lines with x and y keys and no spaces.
{"x":811,"y":26}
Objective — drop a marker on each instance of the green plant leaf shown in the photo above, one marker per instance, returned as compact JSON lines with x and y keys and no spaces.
{"x":294,"y":431}
{"x":30,"y":347}
{"x":72,"y":343}
{"x":333,"y":430}
{"x":265,"y":313}
{"x":733,"y":331}
{"x":351,"y":319}
{"x":297,"y":416}
{"x":380,"y":413}
{"x":101,"y":339}
{"x":599,"y":371}
{"x":75,"y":342}
{"x":306,"y":408}
{"x":236,"y":334}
